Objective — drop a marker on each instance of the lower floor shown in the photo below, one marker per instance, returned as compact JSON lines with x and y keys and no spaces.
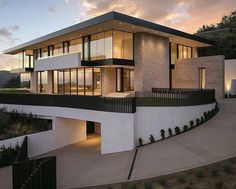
{"x":81,"y":164}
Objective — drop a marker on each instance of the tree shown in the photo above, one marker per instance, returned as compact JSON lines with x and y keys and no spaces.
{"x":14,"y":82}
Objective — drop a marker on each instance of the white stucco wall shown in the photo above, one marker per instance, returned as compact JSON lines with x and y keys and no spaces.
{"x":150,"y":120}
{"x":12,"y":141}
{"x":230,"y":74}
{"x":117,"y":129}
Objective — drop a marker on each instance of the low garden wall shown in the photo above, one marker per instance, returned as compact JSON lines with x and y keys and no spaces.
{"x":150,"y":120}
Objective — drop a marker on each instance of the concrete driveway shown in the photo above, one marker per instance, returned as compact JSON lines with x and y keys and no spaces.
{"x":211,"y":142}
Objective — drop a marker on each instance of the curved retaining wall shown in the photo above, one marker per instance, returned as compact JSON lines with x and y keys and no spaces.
{"x":150,"y":120}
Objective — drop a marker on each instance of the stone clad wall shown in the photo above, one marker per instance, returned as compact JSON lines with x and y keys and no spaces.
{"x":187,"y":73}
{"x":108,"y":80}
{"x":151,"y":56}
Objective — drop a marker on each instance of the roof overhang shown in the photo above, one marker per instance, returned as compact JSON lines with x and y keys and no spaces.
{"x":111,"y":20}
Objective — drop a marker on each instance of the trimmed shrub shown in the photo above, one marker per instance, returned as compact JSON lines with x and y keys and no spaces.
{"x":8,"y":155}
{"x":227,"y":168}
{"x":202,"y":120}
{"x":214,"y":172}
{"x":177,"y":130}
{"x":185,"y":128}
{"x":219,"y":184}
{"x":199,"y":174}
{"x":191,"y":123}
{"x":132,"y":186}
{"x":198,"y":122}
{"x":162,"y":133}
{"x":181,"y":178}
{"x":170,"y":132}
{"x":209,"y":114}
{"x":226,"y":96}
{"x":151,"y":138}
{"x":205,"y":116}
{"x":162,"y":181}
{"x":148,"y":185}
{"x":140,"y":141}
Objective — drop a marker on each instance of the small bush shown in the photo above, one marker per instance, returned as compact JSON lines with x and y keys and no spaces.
{"x":162,"y":133}
{"x":227,"y":168}
{"x":219,"y":184}
{"x":181,"y":178}
{"x":209,"y":114}
{"x":170,"y":132}
{"x":148,"y":185}
{"x":205,"y":116}
{"x":151,"y":138}
{"x":140,"y":141}
{"x":202,"y":120}
{"x":185,"y":128}
{"x":162,"y":181}
{"x":214,"y":172}
{"x":188,"y":187}
{"x":198,"y":122}
{"x":226,"y":96}
{"x":177,"y":130}
{"x":191,"y":123}
{"x":132,"y":186}
{"x":199,"y":174}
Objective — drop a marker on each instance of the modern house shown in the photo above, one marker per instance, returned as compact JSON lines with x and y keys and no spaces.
{"x":91,"y":74}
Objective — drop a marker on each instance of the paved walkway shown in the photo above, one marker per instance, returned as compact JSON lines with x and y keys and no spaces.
{"x":82,"y":164}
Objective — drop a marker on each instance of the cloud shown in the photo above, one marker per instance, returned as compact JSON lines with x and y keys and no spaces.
{"x":7,"y":36}
{"x":66,"y":1}
{"x":187,"y":15}
{"x":3,"y":3}
{"x":51,"y":8}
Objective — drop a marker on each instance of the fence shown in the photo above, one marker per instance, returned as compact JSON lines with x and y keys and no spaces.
{"x":35,"y":174}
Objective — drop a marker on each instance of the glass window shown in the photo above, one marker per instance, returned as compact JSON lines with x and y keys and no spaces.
{"x":25,"y":80}
{"x":118,"y":80}
{"x":66,"y":46}
{"x":180,"y":51}
{"x":60,"y":82}
{"x":173,"y":53}
{"x":126,"y":80}
{"x":73,"y":81}
{"x":118,"y":44}
{"x":202,"y":78}
{"x":44,"y":52}
{"x":108,"y":44}
{"x":67,"y":81}
{"x":185,"y":52}
{"x":97,"y":81}
{"x":39,"y":82}
{"x":55,"y":82}
{"x":81,"y":81}
{"x":88,"y":81}
{"x":58,"y":49}
{"x":76,"y":46}
{"x":189,"y":52}
{"x":86,"y":48}
{"x":100,"y":51}
{"x":128,"y":46}
{"x":93,"y":47}
{"x":50,"y":50}
{"x":44,"y":82}
{"x":131,"y":80}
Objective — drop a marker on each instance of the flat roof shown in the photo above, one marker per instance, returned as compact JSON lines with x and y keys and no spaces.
{"x":107,"y":17}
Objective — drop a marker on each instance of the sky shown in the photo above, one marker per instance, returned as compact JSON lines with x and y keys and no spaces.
{"x":24,"y":20}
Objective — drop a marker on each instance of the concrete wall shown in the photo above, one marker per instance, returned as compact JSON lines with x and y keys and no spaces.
{"x":117,"y":129}
{"x":150,"y":120}
{"x":108,"y":80}
{"x":151,"y":56}
{"x":97,"y":128}
{"x":230,"y":73}
{"x":50,"y":79}
{"x":33,"y":81}
{"x":65,"y":132}
{"x":58,"y":62}
{"x":187,"y":73}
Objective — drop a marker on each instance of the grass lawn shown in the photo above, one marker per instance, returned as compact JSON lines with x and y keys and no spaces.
{"x":14,"y":90}
{"x":221,"y":175}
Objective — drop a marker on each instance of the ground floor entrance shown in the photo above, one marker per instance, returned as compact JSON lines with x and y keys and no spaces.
{"x":93,"y":128}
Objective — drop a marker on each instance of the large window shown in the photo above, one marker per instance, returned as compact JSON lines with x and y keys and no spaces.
{"x":82,"y":81}
{"x":76,"y":46}
{"x":124,"y":79}
{"x":184,"y":52}
{"x":42,"y":82}
{"x":25,"y":80}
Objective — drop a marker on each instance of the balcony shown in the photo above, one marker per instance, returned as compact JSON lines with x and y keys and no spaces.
{"x":22,"y":70}
{"x":64,"y":61}
{"x":158,"y":97}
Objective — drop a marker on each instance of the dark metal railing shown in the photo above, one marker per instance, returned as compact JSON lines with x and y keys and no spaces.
{"x":158,"y":97}
{"x":36,"y":174}
{"x":175,"y":97}
{"x":110,"y":104}
{"x":23,"y":153}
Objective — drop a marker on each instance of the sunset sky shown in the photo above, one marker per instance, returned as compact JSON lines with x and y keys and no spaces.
{"x":23,"y":20}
